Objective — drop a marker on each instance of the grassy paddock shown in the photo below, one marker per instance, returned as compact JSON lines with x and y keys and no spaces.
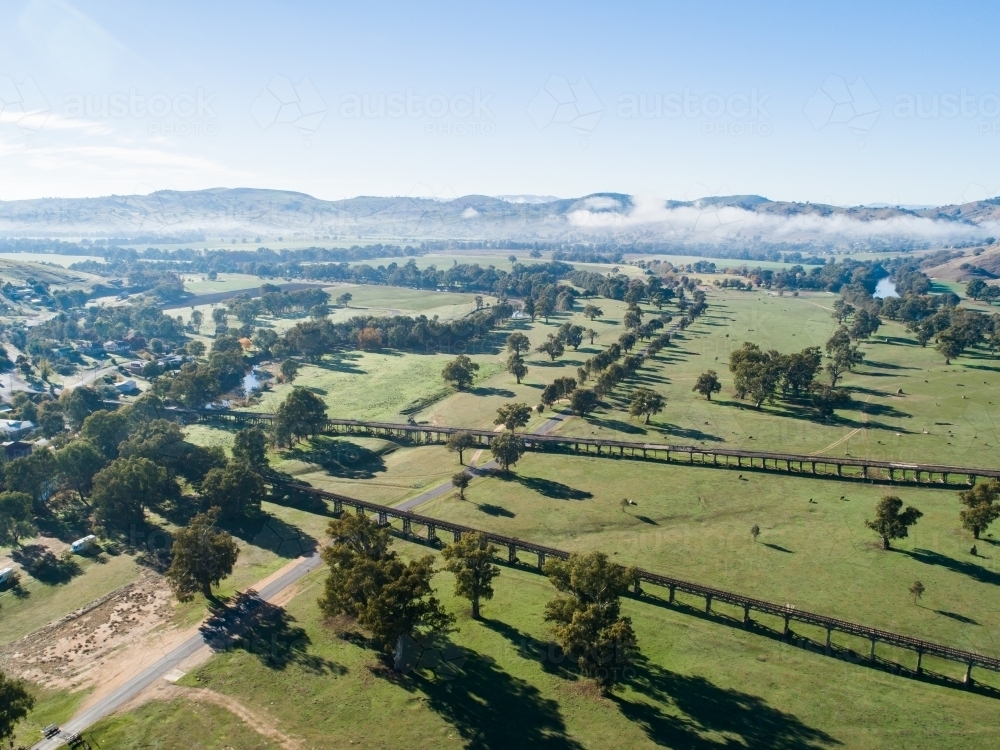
{"x":694,"y":524}
{"x":944,"y":415}
{"x":700,"y":684}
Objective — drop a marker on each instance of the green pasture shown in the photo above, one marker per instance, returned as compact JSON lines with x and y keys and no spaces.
{"x":945,"y":414}
{"x":699,"y":684}
{"x":814,"y":550}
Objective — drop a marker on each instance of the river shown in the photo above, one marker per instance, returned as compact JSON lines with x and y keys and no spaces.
{"x":886,"y":288}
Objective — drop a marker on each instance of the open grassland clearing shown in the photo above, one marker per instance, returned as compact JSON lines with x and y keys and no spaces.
{"x":48,"y":258}
{"x":19,"y":270}
{"x":944,"y":414}
{"x":367,"y":300}
{"x":813,"y":551}
{"x":380,"y":471}
{"x":699,"y":684}
{"x":384,"y":385}
{"x":199,"y":283}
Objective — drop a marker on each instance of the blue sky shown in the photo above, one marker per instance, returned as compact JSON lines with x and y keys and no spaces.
{"x":844,"y":103}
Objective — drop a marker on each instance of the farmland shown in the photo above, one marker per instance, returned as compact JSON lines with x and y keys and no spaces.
{"x":700,"y":681}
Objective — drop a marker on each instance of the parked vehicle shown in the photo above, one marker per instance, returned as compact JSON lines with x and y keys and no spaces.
{"x":82,"y":545}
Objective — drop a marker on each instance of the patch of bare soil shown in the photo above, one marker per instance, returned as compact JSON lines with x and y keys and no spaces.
{"x":67,"y":653}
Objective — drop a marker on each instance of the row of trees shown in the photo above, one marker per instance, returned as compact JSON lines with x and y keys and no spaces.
{"x":393,"y":599}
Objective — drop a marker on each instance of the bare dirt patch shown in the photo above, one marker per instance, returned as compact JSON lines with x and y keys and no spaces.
{"x":68,"y":653}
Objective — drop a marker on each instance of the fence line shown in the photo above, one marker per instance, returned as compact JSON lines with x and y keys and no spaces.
{"x":711,"y":595}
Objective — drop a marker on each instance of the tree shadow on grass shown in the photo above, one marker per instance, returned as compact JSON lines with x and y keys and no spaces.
{"x":887,"y":366}
{"x":491,"y":708}
{"x":494,"y":510}
{"x":706,"y":716}
{"x":41,"y":564}
{"x":181,"y":509}
{"x":341,"y":363}
{"x":273,"y":534}
{"x":778,"y":548}
{"x":686,"y":433}
{"x":267,"y":631}
{"x":486,"y":391}
{"x":547,"y":487}
{"x":616,"y":424}
{"x":971,"y":570}
{"x":955,"y":616}
{"x":340,"y":458}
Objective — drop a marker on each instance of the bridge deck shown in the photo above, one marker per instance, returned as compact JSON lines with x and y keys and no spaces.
{"x":847,"y":467}
{"x":749,"y":604}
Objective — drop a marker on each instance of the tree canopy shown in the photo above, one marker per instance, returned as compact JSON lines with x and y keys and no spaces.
{"x":237,"y":490}
{"x":507,"y":448}
{"x":15,"y":704}
{"x":707,"y":384}
{"x":981,"y":506}
{"x":250,"y":446}
{"x":368,"y":581}
{"x":459,"y":442}
{"x":202,"y":557}
{"x":124,"y":489}
{"x":15,"y":517}
{"x":512,"y":416}
{"x":587,"y":619}
{"x":470,"y":559}
{"x":644,"y":401}
{"x":300,"y":415}
{"x":460,"y":372}
{"x":891,"y":522}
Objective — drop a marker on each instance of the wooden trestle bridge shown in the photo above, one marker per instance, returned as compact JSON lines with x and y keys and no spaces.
{"x":847,"y":468}
{"x":410,"y":523}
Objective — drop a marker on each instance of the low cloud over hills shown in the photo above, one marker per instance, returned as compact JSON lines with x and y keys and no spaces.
{"x":723,"y":220}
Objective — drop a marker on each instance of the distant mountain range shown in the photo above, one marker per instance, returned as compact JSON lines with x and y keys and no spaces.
{"x":249,"y":214}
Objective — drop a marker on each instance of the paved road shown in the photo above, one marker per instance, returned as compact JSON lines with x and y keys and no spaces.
{"x":107,"y":705}
{"x":546,"y":427}
{"x":90,"y":377}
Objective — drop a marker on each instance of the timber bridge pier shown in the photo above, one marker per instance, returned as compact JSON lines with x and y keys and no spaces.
{"x":409,"y":525}
{"x":830,"y":467}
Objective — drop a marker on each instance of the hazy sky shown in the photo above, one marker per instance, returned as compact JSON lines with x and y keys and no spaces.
{"x":849,"y":103}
